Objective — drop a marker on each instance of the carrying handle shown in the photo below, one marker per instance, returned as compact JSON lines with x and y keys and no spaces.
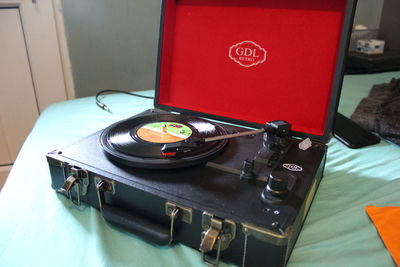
{"x":144,"y":227}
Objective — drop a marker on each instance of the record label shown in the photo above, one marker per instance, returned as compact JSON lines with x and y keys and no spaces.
{"x":164,"y":132}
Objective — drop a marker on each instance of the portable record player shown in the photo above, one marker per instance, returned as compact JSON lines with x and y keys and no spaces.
{"x":241,"y":192}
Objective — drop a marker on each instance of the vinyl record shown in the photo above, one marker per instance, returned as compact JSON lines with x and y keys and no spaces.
{"x":137,"y":141}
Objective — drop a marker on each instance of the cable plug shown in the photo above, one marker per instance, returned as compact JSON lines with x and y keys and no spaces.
{"x":103,"y":106}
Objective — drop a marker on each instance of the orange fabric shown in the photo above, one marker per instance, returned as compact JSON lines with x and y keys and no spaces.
{"x":387,"y":221}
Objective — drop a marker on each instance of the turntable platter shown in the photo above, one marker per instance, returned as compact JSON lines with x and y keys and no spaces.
{"x":137,"y":141}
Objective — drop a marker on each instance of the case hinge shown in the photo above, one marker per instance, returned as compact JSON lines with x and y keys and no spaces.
{"x":76,"y":180}
{"x":217,"y":235}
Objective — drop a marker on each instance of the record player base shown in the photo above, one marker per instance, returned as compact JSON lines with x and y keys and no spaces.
{"x":253,"y":232}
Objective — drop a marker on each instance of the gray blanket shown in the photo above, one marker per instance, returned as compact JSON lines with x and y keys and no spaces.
{"x":380,"y":111}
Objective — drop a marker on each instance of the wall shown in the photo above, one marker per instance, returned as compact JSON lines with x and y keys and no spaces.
{"x":369,"y":12}
{"x":112,"y":44}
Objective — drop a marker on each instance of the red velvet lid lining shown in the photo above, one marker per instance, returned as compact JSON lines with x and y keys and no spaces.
{"x":206,"y":64}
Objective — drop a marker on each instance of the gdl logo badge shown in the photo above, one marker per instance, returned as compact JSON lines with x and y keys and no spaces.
{"x":292,"y":167}
{"x":247,"y":53}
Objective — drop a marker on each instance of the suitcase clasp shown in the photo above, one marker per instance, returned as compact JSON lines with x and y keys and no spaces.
{"x":78,"y":179}
{"x":217,"y":234}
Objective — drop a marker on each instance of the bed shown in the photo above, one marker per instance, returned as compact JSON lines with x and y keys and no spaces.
{"x":40,"y":228}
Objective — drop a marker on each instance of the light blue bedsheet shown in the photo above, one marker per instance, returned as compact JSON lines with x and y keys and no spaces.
{"x":40,"y":228}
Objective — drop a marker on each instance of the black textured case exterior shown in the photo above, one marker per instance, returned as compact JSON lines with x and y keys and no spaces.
{"x":205,"y":189}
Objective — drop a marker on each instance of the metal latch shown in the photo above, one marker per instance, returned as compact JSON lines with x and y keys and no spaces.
{"x":103,"y":185}
{"x":185,"y":214}
{"x":77,"y":181}
{"x":218,"y":234}
{"x":177,"y":212}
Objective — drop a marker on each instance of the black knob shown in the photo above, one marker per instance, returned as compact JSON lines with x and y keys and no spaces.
{"x":277,"y":185}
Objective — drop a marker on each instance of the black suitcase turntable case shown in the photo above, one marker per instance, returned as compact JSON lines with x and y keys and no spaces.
{"x":162,"y":175}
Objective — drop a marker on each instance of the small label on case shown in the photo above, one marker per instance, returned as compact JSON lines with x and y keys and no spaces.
{"x":247,"y":53}
{"x":292,"y":167}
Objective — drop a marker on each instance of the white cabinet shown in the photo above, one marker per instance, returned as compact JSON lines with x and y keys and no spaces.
{"x":18,"y":107}
{"x":31,"y":71}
